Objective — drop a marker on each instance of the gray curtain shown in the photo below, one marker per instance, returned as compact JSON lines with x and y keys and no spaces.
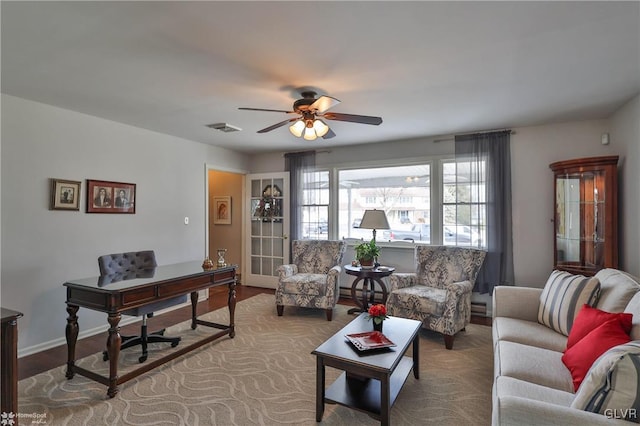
{"x":493,"y":149}
{"x":297,"y":163}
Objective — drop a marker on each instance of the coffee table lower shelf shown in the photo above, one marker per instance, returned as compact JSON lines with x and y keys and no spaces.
{"x":364,"y":395}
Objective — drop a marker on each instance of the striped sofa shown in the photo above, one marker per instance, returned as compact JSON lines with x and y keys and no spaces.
{"x":531,"y":329}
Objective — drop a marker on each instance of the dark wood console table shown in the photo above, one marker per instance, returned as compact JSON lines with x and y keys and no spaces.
{"x":9,"y":362}
{"x":114,"y":294}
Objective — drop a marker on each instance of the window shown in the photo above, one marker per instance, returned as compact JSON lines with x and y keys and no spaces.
{"x":463,"y":205}
{"x":407,"y":196}
{"x":403,"y":192}
{"x":315,"y":205}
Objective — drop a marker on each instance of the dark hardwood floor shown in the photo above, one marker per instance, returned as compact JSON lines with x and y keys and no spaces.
{"x":42,"y":361}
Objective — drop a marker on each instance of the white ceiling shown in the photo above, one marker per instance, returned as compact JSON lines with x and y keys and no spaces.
{"x":427,"y":68}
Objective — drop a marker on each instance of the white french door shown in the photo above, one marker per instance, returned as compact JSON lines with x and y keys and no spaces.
{"x":267,"y":227}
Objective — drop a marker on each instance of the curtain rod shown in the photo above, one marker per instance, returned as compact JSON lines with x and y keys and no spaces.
{"x":512,"y":132}
{"x":317,"y":151}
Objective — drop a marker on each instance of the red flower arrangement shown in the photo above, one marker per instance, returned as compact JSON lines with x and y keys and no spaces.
{"x":377,"y":313}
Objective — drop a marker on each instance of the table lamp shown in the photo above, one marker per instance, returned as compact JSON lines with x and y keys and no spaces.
{"x":374,"y":219}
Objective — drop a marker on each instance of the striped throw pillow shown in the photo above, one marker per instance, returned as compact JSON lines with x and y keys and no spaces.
{"x":563,"y":296}
{"x":612,"y":385}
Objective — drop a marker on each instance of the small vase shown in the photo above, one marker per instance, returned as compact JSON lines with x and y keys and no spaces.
{"x":378,"y":326}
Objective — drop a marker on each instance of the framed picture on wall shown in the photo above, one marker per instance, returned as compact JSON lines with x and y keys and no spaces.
{"x":65,"y":194}
{"x":222,"y":210}
{"x":110,"y":197}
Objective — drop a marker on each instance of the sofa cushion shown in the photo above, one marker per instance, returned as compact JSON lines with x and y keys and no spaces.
{"x":563,"y":296}
{"x":590,"y":318}
{"x":583,"y":354}
{"x":531,"y":364}
{"x":616,"y":289}
{"x":309,"y":284}
{"x":613,"y":384}
{"x":634,"y":308}
{"x":508,"y":386}
{"x":528,"y":333}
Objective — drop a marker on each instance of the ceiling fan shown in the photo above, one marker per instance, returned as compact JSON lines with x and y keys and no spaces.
{"x":309,"y":110}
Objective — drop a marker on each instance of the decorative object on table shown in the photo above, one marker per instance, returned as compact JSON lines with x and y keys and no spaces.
{"x":374,"y":219}
{"x":110,"y":197}
{"x":207,"y":264}
{"x":377,"y":314}
{"x":366,"y":254}
{"x":221,"y":261}
{"x":65,"y":194}
{"x":369,"y":340}
{"x":222,"y":210}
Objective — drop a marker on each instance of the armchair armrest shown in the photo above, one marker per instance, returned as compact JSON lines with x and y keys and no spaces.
{"x":402,"y":280}
{"x":455,"y":290}
{"x":287,"y":270}
{"x":333,"y":282}
{"x":516,"y":302}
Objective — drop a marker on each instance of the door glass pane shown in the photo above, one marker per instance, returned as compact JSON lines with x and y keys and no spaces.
{"x":266,"y":247}
{"x":255,"y":265}
{"x":255,"y":246}
{"x":266,"y":266}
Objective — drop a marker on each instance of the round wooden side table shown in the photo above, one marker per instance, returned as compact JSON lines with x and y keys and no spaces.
{"x":371,"y":277}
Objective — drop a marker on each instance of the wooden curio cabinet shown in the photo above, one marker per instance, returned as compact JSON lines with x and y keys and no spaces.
{"x":586,"y":214}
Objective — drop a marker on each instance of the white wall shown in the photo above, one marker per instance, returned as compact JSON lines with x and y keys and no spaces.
{"x":625,"y":135}
{"x":41,"y":249}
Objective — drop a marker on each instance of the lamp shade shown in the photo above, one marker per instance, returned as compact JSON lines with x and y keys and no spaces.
{"x":297,"y":128}
{"x":374,"y":219}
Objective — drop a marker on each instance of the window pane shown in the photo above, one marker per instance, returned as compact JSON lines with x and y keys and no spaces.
{"x":464,"y":204}
{"x":315,"y":207}
{"x":404,"y":193}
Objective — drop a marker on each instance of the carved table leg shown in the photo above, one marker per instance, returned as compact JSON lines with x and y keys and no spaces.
{"x":232,"y":309}
{"x":354,"y":297}
{"x":194,"y":304}
{"x":71,"y":333}
{"x":113,"y":349}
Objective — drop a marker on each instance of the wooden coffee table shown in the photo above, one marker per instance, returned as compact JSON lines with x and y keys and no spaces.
{"x":372,"y":379}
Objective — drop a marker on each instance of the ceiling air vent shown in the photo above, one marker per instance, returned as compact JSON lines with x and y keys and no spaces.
{"x":224,"y":127}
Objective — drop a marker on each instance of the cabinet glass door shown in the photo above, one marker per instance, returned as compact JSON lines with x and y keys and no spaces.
{"x":580,"y":218}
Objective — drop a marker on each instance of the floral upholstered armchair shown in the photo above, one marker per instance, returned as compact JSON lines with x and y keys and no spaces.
{"x":439,"y":292}
{"x":311,"y":281}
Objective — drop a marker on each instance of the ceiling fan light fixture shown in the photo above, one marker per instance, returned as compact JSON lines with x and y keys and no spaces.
{"x":320,"y":127}
{"x":310,"y":134}
{"x":297,"y":128}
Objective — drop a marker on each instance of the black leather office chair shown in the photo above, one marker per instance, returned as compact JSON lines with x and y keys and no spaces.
{"x":130,"y":265}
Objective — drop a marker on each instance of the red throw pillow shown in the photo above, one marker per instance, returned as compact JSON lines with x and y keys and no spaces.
{"x":589,"y":318}
{"x":583,"y":354}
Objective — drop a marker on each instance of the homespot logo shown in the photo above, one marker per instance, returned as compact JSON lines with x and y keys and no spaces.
{"x":9,"y":419}
{"x":621,"y":413}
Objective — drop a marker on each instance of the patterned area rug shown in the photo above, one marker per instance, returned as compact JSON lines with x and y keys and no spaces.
{"x":263,"y":376}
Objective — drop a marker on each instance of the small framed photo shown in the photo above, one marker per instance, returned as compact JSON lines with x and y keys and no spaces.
{"x":65,"y":194}
{"x":222,"y":210}
{"x":110,"y":197}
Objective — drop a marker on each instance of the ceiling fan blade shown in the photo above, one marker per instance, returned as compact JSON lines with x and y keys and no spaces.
{"x":275,"y":126}
{"x":323,"y":103}
{"x":329,"y":134}
{"x":363,"y":119}
{"x":269,"y":110}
